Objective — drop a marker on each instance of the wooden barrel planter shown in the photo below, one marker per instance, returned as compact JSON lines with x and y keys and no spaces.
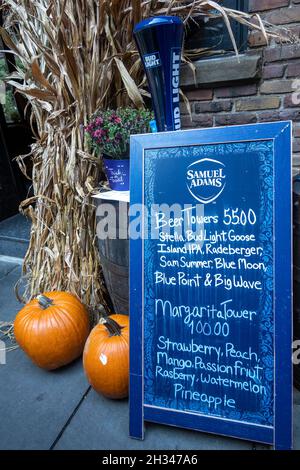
{"x":114,"y":254}
{"x":296,"y":219}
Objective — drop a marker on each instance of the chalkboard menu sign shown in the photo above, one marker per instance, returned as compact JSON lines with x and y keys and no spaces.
{"x":210,"y":281}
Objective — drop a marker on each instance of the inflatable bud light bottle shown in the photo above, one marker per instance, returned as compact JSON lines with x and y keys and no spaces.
{"x":159,"y":40}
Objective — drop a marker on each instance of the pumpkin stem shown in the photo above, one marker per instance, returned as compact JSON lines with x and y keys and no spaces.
{"x":112,"y":326}
{"x":44,"y":301}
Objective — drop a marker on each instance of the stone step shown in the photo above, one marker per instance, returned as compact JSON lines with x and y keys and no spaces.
{"x":14,"y":236}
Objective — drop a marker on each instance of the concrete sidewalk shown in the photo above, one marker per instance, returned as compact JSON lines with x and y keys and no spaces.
{"x":58,"y":410}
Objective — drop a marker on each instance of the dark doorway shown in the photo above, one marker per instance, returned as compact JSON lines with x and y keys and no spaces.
{"x":15,"y":140}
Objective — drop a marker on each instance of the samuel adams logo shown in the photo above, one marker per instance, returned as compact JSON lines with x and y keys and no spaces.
{"x":206,"y":179}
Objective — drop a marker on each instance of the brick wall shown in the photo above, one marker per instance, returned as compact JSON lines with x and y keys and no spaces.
{"x":269,"y":98}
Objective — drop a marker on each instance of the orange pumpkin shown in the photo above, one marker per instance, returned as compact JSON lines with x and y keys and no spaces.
{"x":106,"y":356}
{"x":52,"y":329}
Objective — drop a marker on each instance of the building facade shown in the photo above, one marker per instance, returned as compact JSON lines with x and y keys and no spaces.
{"x":262,"y":85}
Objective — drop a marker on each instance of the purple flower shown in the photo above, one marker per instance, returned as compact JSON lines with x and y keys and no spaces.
{"x":115,"y":119}
{"x":98,"y":133}
{"x":99,"y":121}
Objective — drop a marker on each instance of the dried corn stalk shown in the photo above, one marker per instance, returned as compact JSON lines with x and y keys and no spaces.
{"x":77,"y":56}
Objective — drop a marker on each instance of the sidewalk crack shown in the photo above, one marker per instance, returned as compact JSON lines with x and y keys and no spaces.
{"x":60,"y":434}
{"x":9,"y":272}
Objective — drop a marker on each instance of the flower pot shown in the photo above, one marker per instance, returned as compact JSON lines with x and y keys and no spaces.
{"x":117,"y":172}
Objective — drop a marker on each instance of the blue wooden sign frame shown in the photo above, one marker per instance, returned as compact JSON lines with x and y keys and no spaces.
{"x":280,"y":434}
